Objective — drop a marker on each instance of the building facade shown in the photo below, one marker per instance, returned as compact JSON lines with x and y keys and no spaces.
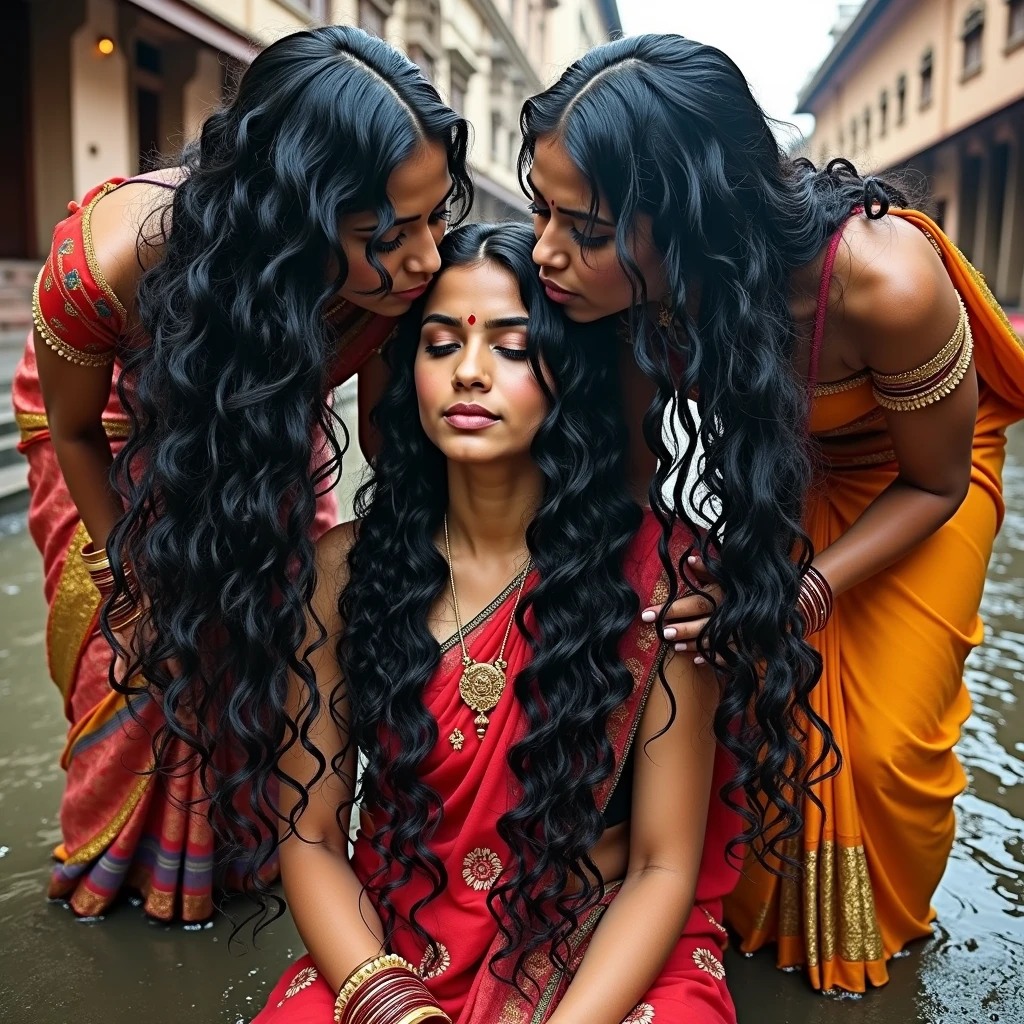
{"x":97,"y":88}
{"x":936,"y":86}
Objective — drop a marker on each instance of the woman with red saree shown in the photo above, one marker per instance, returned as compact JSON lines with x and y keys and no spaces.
{"x":206,"y":312}
{"x":540,"y":836}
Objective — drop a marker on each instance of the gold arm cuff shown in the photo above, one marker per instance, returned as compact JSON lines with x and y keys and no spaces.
{"x":942,"y":388}
{"x":58,"y":344}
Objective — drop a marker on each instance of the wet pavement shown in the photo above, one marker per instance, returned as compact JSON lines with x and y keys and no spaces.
{"x":54,"y":969}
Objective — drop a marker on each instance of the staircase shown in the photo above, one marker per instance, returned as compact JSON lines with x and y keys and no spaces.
{"x":16,"y":280}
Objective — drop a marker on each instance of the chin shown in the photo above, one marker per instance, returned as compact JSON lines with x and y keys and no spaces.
{"x":586,"y":315}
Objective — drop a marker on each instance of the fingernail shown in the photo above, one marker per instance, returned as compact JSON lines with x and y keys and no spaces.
{"x":680,"y":647}
{"x":698,"y":660}
{"x":692,"y":559}
{"x":649,"y":616}
{"x":670,"y":633}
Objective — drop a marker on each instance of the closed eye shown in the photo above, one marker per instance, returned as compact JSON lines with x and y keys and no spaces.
{"x":392,"y":245}
{"x":439,"y":351}
{"x":512,"y":353}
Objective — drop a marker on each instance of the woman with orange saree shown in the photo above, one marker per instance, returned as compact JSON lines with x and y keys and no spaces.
{"x":853,"y":378}
{"x":539,"y":833}
{"x":274,"y":270}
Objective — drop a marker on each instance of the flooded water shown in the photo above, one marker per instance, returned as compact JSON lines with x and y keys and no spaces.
{"x":54,"y":969}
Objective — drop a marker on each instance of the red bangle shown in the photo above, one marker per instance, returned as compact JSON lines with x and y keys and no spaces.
{"x":815,"y":602}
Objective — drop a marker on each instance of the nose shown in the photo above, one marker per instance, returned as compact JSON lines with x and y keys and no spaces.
{"x":473,"y":370}
{"x":423,"y":257}
{"x":548,"y":252}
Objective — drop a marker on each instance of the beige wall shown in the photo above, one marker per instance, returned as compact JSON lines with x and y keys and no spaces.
{"x":267,"y":20}
{"x":202,"y":92}
{"x":100,"y":135}
{"x":895,"y":46}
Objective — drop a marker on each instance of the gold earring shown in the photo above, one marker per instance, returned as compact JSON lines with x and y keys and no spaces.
{"x":665,"y":317}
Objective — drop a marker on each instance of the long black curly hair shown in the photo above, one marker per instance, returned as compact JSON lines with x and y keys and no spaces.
{"x":575,"y":678}
{"x":229,"y":394}
{"x":664,"y":126}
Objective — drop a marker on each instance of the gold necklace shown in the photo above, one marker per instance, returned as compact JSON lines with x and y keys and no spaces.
{"x":482,"y":683}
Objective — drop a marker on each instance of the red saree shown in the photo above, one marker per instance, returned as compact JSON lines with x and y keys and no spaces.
{"x":475,"y":786}
{"x":122,"y":825}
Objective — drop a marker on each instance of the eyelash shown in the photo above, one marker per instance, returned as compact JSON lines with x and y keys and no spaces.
{"x":396,"y":243}
{"x":440,"y":351}
{"x":589,"y":241}
{"x":582,"y":240}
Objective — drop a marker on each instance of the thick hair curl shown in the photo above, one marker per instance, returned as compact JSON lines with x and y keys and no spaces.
{"x":575,"y":679}
{"x":228,"y":396}
{"x":666,"y":127}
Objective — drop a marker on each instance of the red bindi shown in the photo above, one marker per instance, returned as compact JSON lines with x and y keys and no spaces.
{"x":472,"y":319}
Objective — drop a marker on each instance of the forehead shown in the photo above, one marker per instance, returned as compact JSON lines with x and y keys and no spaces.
{"x":484,"y":289}
{"x":556,"y":176}
{"x":421,"y":181}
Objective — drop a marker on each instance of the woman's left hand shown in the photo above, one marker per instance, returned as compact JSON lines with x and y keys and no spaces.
{"x":686,"y":617}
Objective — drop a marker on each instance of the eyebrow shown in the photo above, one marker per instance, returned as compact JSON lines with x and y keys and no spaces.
{"x":575,"y":214}
{"x":489,"y":325}
{"x":409,"y":220}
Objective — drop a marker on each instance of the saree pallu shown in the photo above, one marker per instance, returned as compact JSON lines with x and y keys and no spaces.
{"x":892,"y":685}
{"x":477,"y":787}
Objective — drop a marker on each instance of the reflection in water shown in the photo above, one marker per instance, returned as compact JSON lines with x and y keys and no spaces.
{"x":125,"y":969}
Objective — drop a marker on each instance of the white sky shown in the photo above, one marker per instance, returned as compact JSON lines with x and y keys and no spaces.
{"x":776,"y":43}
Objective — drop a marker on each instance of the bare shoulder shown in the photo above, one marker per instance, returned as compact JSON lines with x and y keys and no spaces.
{"x":332,"y":552}
{"x":129,"y":227}
{"x":898,"y":304}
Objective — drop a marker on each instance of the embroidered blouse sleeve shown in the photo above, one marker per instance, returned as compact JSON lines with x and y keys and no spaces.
{"x":74,"y":310}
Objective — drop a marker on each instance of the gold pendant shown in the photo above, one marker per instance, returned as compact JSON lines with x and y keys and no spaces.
{"x":456,"y":740}
{"x":481,"y":688}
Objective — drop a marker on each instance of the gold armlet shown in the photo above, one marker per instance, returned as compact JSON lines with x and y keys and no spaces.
{"x":935,"y":380}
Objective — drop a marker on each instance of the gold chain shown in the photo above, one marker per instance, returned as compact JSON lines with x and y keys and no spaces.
{"x":482,"y":685}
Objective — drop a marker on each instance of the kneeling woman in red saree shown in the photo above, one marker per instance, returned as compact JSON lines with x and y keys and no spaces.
{"x":540,"y":835}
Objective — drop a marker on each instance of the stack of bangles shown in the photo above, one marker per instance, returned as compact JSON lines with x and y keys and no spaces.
{"x":127,"y":609}
{"x":386,"y":990}
{"x":815,"y":602}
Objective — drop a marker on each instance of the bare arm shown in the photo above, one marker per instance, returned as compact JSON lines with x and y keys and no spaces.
{"x":671,"y":794}
{"x":900,"y":309}
{"x":338,"y":925}
{"x":76,"y":396}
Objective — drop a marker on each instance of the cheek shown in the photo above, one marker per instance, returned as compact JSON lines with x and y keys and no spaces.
{"x":433,"y":385}
{"x":525,"y":398}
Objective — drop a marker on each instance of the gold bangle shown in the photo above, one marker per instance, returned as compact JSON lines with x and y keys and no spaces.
{"x":96,"y":559}
{"x":425,"y":1013}
{"x":363,"y":974}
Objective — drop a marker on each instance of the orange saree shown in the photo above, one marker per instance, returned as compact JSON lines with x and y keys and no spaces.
{"x":477,"y":787}
{"x":122,"y":824}
{"x":892,"y":686}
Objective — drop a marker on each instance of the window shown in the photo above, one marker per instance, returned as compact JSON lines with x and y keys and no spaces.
{"x":317,"y":8}
{"x":901,"y":99}
{"x":1015,"y":27}
{"x":867,"y":126}
{"x":420,"y":57}
{"x":974,"y":27}
{"x":853,"y":133}
{"x":927,"y":78}
{"x":883,"y":112}
{"x":496,"y":135}
{"x":458,"y":97}
{"x":940,"y":213}
{"x":371,"y":18}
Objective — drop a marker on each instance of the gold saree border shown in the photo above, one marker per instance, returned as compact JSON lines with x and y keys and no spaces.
{"x":839,"y":906}
{"x":72,"y":614}
{"x":95,"y":846}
